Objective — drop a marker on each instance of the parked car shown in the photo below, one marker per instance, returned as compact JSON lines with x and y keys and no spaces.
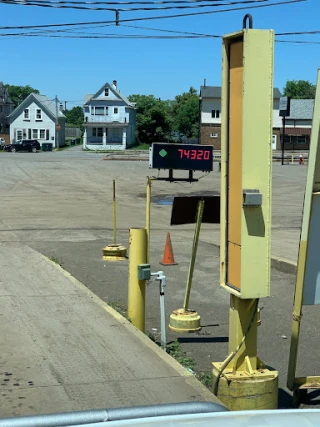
{"x":30,"y":145}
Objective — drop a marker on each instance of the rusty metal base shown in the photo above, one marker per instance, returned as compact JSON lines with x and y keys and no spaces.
{"x":243,"y":390}
{"x":184,"y":321}
{"x":114,"y":253}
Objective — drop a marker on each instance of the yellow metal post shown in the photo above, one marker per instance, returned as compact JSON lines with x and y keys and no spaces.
{"x":184,"y":319}
{"x":136,"y":287}
{"x":242,"y":381}
{"x":148,"y":216}
{"x":194,"y":254}
{"x":114,"y":212}
{"x":307,"y":289}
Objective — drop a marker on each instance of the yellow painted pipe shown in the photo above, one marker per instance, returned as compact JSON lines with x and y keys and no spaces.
{"x":114,"y":213}
{"x":136,"y":287}
{"x":194,"y":254}
{"x":148,"y":216}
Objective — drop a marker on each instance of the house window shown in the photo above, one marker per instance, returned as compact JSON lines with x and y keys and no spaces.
{"x":214,"y":135}
{"x":26,"y":114}
{"x":99,"y":111}
{"x":35,"y":133}
{"x":19,"y":135}
{"x":115,"y":110}
{"x":38,"y":114}
{"x":97,"y":132}
{"x":42,"y":133}
{"x":215,"y":114}
{"x":106,"y":92}
{"x":47,"y":135}
{"x":297,"y":139}
{"x":86,"y":109}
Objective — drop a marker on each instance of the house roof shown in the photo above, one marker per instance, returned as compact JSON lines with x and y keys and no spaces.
{"x":215,"y":92}
{"x":301,"y":109}
{"x":42,"y":101}
{"x":4,"y":95}
{"x":88,"y":98}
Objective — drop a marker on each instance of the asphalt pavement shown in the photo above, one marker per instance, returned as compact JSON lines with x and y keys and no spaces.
{"x":60,"y":205}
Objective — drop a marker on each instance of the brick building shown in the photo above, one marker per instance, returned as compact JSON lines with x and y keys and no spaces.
{"x":298,"y":126}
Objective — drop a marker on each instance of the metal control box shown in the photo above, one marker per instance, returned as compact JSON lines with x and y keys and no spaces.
{"x":246,"y":134}
{"x":144,"y":272}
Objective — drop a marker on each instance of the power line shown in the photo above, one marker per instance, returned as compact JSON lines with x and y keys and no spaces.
{"x":298,"y":33}
{"x":278,"y":3}
{"x":298,"y":41}
{"x":133,"y":9}
{"x":122,"y":2}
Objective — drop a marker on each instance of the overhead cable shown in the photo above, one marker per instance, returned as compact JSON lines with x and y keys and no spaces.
{"x":278,"y":3}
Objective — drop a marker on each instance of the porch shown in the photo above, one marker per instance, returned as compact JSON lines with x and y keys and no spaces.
{"x":103,"y":136}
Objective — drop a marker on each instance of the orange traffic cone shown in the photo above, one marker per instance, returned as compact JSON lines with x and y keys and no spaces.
{"x":168,"y":258}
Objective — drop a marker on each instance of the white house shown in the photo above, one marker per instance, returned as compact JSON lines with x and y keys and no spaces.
{"x":35,"y":118}
{"x":109,"y":120}
{"x":210,"y":116}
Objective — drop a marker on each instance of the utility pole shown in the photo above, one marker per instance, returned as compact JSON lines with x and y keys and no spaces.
{"x":65,"y":105}
{"x":57,"y":123}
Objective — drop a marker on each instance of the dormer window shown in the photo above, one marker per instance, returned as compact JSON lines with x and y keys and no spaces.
{"x":26,"y":114}
{"x":106,"y":92}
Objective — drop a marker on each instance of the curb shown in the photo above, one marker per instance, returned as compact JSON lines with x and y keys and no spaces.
{"x":180,"y":370}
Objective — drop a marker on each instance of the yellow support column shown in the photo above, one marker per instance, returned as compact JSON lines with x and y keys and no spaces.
{"x":242,"y":382}
{"x":148,"y":216}
{"x":136,"y":287}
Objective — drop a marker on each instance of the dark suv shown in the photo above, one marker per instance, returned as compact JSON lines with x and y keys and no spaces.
{"x":31,"y":145}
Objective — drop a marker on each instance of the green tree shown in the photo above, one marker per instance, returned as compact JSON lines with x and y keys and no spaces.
{"x":19,"y":93}
{"x":186,"y":113}
{"x":299,"y":89}
{"x":153,"y":119}
{"x":75,"y":116}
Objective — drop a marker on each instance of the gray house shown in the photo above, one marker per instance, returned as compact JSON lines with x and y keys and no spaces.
{"x":6,"y":108}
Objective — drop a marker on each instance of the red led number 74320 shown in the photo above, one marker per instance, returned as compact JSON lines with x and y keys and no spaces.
{"x":194,"y":154}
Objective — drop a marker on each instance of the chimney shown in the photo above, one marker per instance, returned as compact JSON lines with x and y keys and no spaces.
{"x":61,"y":106}
{"x":114,"y":83}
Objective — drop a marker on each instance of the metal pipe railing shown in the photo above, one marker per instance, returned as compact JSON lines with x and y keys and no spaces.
{"x":106,"y":415}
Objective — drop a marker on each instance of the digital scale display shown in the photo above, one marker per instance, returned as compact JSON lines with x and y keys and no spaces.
{"x":181,"y":157}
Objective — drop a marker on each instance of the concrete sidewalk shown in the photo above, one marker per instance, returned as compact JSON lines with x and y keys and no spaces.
{"x":64,"y":349}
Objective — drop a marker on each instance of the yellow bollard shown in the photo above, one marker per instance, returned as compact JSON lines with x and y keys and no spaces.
{"x":114,"y":213}
{"x":136,"y":287}
{"x":183,"y":319}
{"x":114,"y":252}
{"x":148,"y":216}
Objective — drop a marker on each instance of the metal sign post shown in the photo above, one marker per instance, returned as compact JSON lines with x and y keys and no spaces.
{"x":242,"y":381}
{"x":284,"y":111}
{"x":308,"y":271}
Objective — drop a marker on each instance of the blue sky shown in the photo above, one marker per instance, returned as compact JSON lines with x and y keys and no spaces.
{"x":72,"y":67}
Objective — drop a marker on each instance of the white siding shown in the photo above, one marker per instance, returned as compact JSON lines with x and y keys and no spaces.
{"x":207,"y":105}
{"x":20,"y":123}
{"x":111,"y":96}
